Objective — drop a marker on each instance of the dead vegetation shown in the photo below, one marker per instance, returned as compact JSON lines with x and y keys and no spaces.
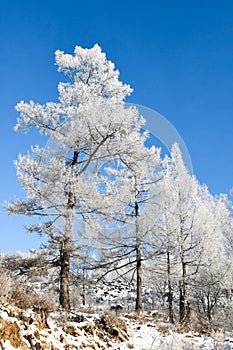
{"x":114,"y":326}
{"x":10,"y":331}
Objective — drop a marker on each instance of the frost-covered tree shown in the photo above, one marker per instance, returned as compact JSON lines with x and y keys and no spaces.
{"x":163,"y":239}
{"x":176,"y":229}
{"x":215,"y":270}
{"x":89,"y":126}
{"x":191,"y":232}
{"x":125,"y":235}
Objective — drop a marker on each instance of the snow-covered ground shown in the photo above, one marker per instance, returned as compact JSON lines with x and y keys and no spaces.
{"x":100,"y":326}
{"x":149,"y":336}
{"x":24,"y":330}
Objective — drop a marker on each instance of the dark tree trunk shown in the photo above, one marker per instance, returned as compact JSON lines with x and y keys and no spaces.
{"x":83,"y":291}
{"x":64,"y":297}
{"x":65,"y":250}
{"x":208,"y":307}
{"x":184,"y":308}
{"x":139,"y":280}
{"x":170,"y":293}
{"x":181,"y":303}
{"x":138,"y":306}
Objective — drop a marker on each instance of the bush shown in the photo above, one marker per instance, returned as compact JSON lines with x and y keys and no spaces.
{"x":6,"y":284}
{"x":21,"y":295}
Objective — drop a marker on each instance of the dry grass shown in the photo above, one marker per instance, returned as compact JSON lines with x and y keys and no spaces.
{"x":11,"y":331}
{"x":18,"y":294}
{"x":6,"y":284}
{"x":114,"y":326}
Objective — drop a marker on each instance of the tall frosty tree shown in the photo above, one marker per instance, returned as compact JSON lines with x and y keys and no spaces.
{"x":215,"y":271}
{"x":176,"y":230}
{"x":89,"y":126}
{"x":127,"y":245}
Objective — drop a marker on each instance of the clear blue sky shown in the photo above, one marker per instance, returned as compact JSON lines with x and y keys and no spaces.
{"x":177,"y":55}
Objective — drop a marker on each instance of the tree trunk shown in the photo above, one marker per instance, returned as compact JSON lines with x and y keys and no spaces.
{"x":170,"y":293}
{"x":138,"y":307}
{"x":64,"y":296}
{"x":83,"y":291}
{"x":181,"y":302}
{"x":65,"y":250}
{"x":208,"y":307}
{"x":139,"y":280}
{"x":184,"y":309}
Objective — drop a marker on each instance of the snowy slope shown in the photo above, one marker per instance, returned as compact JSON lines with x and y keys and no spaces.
{"x":25,"y":329}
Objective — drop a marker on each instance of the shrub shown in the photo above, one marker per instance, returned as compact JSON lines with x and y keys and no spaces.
{"x":6,"y":283}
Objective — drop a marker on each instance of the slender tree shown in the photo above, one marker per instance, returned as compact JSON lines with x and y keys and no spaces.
{"x":176,"y":230}
{"x":214,"y":273}
{"x":128,"y":241}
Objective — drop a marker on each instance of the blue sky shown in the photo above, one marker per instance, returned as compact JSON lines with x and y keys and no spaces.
{"x":177,"y":55}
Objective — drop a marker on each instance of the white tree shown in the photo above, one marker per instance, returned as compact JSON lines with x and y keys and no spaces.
{"x":215,"y":270}
{"x":89,"y":126}
{"x":190,"y":229}
{"x":175,"y":228}
{"x":125,"y":236}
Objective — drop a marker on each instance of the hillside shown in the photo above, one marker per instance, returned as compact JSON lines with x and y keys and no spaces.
{"x":28,"y":329}
{"x":30,"y":317}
